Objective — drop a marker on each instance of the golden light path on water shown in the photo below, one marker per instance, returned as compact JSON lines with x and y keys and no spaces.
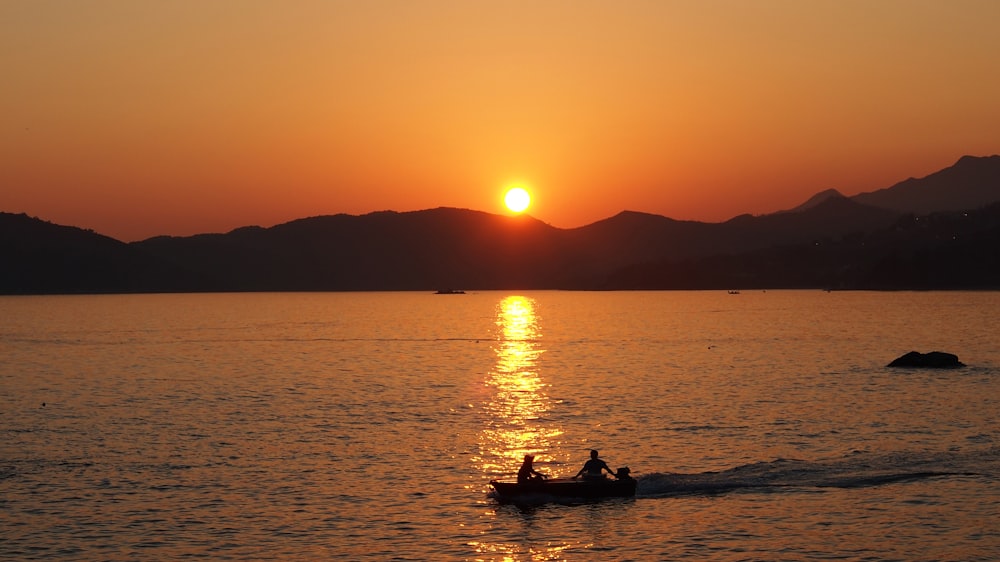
{"x":518,"y":399}
{"x":515,"y":414}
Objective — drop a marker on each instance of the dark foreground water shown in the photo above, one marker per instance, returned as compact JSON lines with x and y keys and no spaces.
{"x":761,"y":426}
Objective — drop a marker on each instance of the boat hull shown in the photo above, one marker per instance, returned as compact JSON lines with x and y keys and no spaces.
{"x":564,"y":488}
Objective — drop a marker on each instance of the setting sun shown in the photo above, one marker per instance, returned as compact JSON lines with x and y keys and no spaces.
{"x":517,"y":199}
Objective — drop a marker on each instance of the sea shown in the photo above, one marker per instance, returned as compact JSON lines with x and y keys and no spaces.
{"x":760,"y":425}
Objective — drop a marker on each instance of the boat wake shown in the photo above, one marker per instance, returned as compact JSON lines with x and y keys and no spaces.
{"x":858,"y":469}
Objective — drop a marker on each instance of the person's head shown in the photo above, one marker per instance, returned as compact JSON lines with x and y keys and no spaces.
{"x":593,"y":453}
{"x":528,"y":458}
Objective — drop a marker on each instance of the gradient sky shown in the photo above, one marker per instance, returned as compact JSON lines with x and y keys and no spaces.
{"x":186,"y":116}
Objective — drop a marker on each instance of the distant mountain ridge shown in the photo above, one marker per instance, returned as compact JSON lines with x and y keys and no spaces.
{"x":970,"y":183}
{"x":817,"y":199}
{"x":828,"y":241}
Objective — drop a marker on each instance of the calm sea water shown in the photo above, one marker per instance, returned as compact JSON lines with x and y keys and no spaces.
{"x":761,"y":426}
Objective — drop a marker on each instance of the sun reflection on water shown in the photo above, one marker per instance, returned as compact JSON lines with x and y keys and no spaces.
{"x":518,"y":400}
{"x":516,"y":422}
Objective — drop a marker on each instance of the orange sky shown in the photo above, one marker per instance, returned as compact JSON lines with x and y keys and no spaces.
{"x":143,"y":118}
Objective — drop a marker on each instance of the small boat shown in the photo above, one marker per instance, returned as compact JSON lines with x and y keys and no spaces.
{"x":449,"y":292}
{"x":564,"y":488}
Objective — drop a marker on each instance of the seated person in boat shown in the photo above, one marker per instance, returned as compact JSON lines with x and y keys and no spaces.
{"x":527,"y":473}
{"x":624,"y":473}
{"x":594,"y":467}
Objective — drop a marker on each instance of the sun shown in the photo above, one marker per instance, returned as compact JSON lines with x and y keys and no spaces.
{"x":517,"y":199}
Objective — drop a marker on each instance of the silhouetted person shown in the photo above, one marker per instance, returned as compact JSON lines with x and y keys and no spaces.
{"x":527,"y":473}
{"x":593,"y":467}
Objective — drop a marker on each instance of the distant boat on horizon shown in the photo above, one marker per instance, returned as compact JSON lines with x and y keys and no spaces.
{"x":449,"y":292}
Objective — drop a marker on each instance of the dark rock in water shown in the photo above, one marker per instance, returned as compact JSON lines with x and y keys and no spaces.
{"x":932,"y":360}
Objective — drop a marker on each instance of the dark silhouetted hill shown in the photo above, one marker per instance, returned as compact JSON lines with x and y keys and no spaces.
{"x":830,"y":241}
{"x":971,"y":183}
{"x":379,"y":251}
{"x":41,"y":257}
{"x":820,"y":197}
{"x":946,"y":251}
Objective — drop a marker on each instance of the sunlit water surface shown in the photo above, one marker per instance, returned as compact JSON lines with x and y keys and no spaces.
{"x":761,"y":426}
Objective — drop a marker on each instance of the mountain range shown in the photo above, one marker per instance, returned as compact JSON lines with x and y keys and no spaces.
{"x":941,"y":231}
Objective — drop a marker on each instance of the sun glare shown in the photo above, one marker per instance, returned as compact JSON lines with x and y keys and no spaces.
{"x":517,"y":199}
